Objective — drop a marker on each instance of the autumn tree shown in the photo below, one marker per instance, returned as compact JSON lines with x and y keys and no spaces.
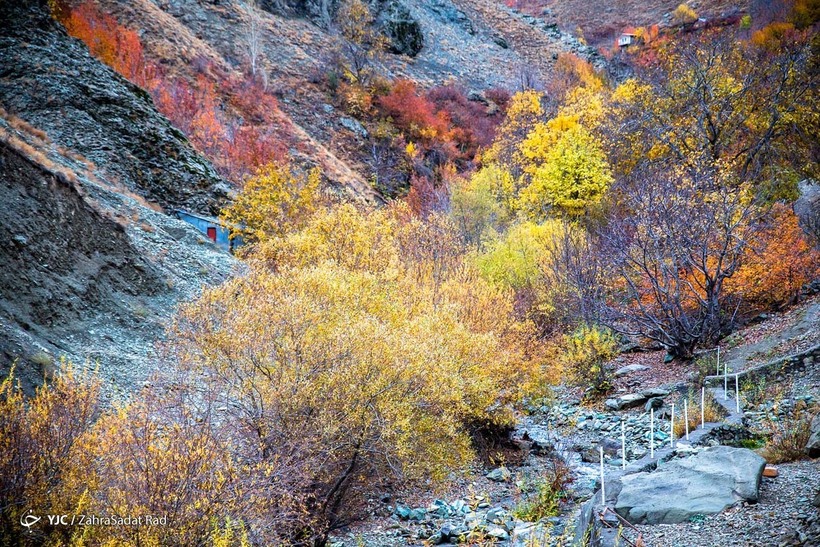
{"x":585,"y":354}
{"x":45,"y":464}
{"x":683,"y":15}
{"x":732,"y":120}
{"x":672,"y":247}
{"x":115,"y":45}
{"x":275,"y":200}
{"x":723,"y":105}
{"x":523,"y":112}
{"x":412,"y":112}
{"x":532,"y":260}
{"x":574,"y":176}
{"x":483,"y":204}
{"x":359,"y":43}
{"x":253,"y":42}
{"x":779,"y":260}
{"x":361,"y":333}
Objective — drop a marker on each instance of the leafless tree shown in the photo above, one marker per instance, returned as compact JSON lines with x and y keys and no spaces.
{"x":668,"y":254}
{"x":253,"y":40}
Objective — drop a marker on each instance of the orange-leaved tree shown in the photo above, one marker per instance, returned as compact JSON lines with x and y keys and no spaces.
{"x":779,"y":260}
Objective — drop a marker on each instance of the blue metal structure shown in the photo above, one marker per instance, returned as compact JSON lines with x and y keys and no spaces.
{"x":212,"y":228}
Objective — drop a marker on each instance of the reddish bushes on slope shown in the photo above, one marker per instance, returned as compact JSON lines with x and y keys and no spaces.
{"x":118,"y":47}
{"x":473,"y":123}
{"x":446,"y":131}
{"x":414,"y":114}
{"x":231,"y":120}
{"x":443,"y":119}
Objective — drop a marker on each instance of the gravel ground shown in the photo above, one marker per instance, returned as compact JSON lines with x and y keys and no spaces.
{"x":784,"y":506}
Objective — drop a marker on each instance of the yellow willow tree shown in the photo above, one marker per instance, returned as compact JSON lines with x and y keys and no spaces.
{"x":721,"y":105}
{"x":701,"y":144}
{"x":343,"y":381}
{"x":572,"y":177}
{"x":44,"y":464}
{"x":274,"y":200}
{"x":357,"y":351}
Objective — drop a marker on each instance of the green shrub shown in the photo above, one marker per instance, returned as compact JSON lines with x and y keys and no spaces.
{"x":586,"y":352}
{"x":544,"y":497}
{"x":787,"y":436}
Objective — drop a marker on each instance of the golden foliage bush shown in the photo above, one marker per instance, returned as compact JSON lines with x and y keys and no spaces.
{"x":683,"y":14}
{"x":779,"y":260}
{"x":44,"y":462}
{"x":788,"y":436}
{"x":275,"y":200}
{"x":585,"y":354}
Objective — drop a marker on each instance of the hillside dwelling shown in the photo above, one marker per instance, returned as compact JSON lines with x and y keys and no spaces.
{"x":627,"y":39}
{"x":213,"y":228}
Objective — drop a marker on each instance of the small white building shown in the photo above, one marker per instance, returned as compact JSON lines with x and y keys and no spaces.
{"x":626,"y":39}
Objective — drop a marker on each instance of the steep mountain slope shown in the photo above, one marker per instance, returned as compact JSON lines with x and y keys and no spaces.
{"x":476,"y":44}
{"x":602,"y":21}
{"x":92,"y":268}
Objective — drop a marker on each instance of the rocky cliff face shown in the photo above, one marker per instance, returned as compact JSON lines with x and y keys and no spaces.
{"x":49,"y":79}
{"x":93,"y":265}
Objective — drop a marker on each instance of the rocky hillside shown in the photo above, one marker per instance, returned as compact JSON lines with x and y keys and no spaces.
{"x":600,"y":23}
{"x":92,"y":172}
{"x":430,"y":42}
{"x":93,"y":261}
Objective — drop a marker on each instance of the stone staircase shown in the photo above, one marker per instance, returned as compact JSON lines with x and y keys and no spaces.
{"x":598,"y":527}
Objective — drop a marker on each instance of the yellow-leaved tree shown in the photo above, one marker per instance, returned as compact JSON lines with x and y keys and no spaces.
{"x":369,"y":334}
{"x":277,"y":199}
{"x":523,"y":112}
{"x":573,"y":176}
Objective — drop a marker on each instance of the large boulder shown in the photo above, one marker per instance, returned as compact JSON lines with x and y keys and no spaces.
{"x":402,"y":30}
{"x":703,"y":484}
{"x":626,"y":401}
{"x":813,"y":446}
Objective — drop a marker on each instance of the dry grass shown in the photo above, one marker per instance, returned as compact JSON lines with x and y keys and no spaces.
{"x":23,"y":126}
{"x":712,"y":413}
{"x":76,"y":156}
{"x":36,"y":156}
{"x":788,"y":435}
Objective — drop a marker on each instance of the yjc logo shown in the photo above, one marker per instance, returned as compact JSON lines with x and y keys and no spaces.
{"x":29,"y":520}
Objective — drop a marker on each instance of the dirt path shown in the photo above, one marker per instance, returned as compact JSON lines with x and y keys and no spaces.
{"x":795,"y":330}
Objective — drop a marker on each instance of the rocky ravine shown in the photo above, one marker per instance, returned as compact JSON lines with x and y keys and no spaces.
{"x":89,"y":173}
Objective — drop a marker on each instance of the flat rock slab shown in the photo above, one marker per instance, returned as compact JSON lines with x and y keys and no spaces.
{"x":623,"y":371}
{"x":703,"y":484}
{"x":625,"y":401}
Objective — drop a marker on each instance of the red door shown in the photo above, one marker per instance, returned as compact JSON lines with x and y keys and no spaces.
{"x":212,"y":233}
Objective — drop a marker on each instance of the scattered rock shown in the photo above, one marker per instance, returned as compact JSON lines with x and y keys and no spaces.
{"x":628,"y":369}
{"x":354,"y":126}
{"x":499,"y":474}
{"x":406,"y":513}
{"x":654,"y":402}
{"x":626,"y":401}
{"x":770,"y":471}
{"x":655,"y":392}
{"x":703,"y":484}
{"x":498,"y":533}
